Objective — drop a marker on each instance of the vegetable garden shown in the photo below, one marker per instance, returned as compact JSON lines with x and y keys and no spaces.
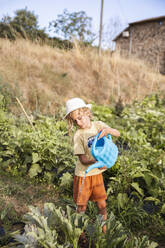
{"x":135,"y":185}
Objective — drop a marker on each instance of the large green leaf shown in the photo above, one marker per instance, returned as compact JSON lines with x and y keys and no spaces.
{"x":66,"y":179}
{"x":34,"y":170}
{"x":150,"y":198}
{"x":137,"y":188}
{"x":122,"y":200}
{"x":163,"y":209}
{"x":35,"y":157}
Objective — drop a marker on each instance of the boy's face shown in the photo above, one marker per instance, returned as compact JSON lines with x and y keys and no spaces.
{"x":82,"y":120}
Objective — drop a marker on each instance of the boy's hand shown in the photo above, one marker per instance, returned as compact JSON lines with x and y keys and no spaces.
{"x":103,"y":133}
{"x":108,"y":130}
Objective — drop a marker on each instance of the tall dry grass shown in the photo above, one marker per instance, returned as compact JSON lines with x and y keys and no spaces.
{"x":47,"y":77}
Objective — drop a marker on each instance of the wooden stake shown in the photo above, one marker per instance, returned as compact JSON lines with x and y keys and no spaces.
{"x":24,"y":112}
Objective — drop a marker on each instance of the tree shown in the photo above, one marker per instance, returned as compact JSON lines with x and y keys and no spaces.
{"x":24,"y":24}
{"x":27,"y":19}
{"x":6,"y":30}
{"x":76,"y":24}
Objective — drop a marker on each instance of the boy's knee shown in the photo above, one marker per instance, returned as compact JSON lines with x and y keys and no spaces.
{"x":102,"y":207}
{"x":103,"y":211}
{"x":81,"y":209}
{"x":101,"y":204}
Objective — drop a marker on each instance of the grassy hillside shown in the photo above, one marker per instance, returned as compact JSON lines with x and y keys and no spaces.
{"x":44,"y":77}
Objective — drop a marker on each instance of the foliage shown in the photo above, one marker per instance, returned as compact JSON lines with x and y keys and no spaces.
{"x":57,"y":42}
{"x":135,"y":184}
{"x":42,"y":229}
{"x":24,"y":24}
{"x":43,"y":152}
{"x":137,"y":242}
{"x":38,"y":233}
{"x":8,"y":94}
{"x":76,"y":24}
{"x":25,"y":19}
{"x":115,"y":234}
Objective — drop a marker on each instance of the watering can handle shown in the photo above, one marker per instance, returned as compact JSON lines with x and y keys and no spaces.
{"x":96,"y":139}
{"x":109,"y":136}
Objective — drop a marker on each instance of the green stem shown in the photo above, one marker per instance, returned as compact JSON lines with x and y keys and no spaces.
{"x":90,"y":242}
{"x":74,"y":242}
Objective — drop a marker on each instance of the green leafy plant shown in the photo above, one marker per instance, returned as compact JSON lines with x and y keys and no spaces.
{"x":135,"y":184}
{"x":72,"y":224}
{"x":41,"y":229}
{"x":137,"y":242}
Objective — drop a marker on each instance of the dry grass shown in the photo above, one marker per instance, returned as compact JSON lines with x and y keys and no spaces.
{"x":48,"y":76}
{"x":20,"y":194}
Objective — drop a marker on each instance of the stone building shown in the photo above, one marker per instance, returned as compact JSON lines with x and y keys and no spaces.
{"x":146,"y":40}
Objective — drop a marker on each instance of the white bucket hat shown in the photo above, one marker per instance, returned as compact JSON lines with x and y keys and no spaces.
{"x":75,"y":103}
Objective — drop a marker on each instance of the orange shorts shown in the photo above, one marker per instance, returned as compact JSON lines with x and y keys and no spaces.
{"x":93,"y":189}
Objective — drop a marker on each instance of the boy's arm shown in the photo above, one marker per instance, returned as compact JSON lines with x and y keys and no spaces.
{"x":84,"y":160}
{"x":109,"y":130}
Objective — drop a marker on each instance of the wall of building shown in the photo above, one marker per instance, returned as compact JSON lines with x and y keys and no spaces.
{"x":146,"y":41}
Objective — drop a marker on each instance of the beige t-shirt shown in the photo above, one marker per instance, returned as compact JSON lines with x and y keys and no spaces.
{"x":82,"y":142}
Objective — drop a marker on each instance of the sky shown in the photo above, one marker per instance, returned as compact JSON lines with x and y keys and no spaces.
{"x":126,"y":11}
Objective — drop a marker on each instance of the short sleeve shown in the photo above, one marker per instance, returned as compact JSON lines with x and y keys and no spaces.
{"x":78,"y":144}
{"x":101,"y":124}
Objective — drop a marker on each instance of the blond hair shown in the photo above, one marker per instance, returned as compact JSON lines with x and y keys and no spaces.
{"x":79,"y":112}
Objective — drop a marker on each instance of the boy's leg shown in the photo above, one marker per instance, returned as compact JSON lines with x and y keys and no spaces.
{"x":81,"y":208}
{"x":81,"y":193}
{"x":99,"y":196}
{"x":103,"y":211}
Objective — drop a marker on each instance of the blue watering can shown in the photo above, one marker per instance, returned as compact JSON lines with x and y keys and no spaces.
{"x":104,"y":151}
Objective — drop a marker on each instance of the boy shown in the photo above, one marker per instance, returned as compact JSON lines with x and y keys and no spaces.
{"x":78,"y":113}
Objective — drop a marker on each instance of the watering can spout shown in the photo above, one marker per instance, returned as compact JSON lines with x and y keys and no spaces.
{"x":95,"y":165}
